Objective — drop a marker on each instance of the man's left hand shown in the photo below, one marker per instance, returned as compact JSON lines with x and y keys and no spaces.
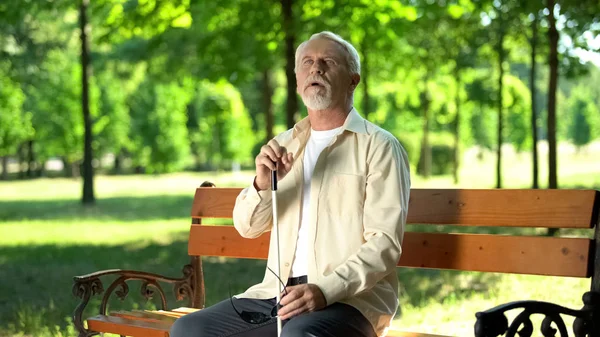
{"x":300,"y":299}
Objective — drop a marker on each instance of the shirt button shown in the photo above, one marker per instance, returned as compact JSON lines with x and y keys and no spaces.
{"x":287,"y":264}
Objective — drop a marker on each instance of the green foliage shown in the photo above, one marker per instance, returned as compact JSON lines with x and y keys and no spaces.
{"x":111,"y":128}
{"x":412,"y":144}
{"x":158,"y":127}
{"x":56,"y":108}
{"x":222,"y":131}
{"x":584,"y":125}
{"x":517,"y":104}
{"x":483,"y":121}
{"x":442,"y":153}
{"x":15,"y":125}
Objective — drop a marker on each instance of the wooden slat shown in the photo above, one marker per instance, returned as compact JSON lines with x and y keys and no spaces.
{"x":532,"y":255}
{"x":211,"y":202}
{"x":509,"y":208}
{"x":145,"y":324}
{"x":503,"y":207}
{"x":397,"y":333}
{"x":165,"y":317}
{"x":472,"y":252}
{"x":127,"y":327}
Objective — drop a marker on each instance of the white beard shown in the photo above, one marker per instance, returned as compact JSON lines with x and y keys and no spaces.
{"x":317,"y":100}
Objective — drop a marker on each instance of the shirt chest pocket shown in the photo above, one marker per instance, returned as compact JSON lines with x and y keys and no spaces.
{"x":343,"y":197}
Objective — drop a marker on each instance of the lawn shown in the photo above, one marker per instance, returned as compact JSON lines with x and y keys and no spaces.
{"x":141,"y":222}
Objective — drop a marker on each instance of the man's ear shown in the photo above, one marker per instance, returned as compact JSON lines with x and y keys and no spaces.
{"x":355,"y":79}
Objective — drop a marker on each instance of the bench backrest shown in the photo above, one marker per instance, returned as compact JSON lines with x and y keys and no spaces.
{"x":539,"y":255}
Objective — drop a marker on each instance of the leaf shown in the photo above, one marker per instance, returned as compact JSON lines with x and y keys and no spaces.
{"x":455,"y":11}
{"x":184,"y":21}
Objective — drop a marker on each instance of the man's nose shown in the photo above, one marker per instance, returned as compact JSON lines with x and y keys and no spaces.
{"x":317,"y":68}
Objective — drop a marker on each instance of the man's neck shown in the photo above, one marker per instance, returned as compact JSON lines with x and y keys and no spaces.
{"x":321,"y":120}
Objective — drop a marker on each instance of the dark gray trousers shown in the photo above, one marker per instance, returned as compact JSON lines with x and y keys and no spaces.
{"x":220,"y":320}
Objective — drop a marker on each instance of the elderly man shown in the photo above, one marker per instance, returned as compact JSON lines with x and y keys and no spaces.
{"x":343,"y":190}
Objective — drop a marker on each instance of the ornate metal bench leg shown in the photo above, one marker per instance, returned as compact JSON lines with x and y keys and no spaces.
{"x":84,"y":290}
{"x":493,"y":322}
{"x":590,"y":324}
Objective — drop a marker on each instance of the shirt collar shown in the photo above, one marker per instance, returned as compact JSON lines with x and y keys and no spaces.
{"x":354,"y":122}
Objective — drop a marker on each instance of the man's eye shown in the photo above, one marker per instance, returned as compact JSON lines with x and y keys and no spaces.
{"x":330,"y":61}
{"x":308,"y":61}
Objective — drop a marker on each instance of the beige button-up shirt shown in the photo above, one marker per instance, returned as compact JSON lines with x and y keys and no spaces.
{"x":358,"y":205}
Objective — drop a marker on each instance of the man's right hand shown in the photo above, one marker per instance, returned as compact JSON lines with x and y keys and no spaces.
{"x":271,"y":156}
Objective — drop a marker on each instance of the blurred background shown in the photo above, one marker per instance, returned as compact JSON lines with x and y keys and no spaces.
{"x":113,"y":111}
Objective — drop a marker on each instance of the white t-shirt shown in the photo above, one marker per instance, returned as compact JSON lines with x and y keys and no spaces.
{"x":318,"y":141}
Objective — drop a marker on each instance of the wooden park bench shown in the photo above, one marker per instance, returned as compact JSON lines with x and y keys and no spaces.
{"x":535,"y":255}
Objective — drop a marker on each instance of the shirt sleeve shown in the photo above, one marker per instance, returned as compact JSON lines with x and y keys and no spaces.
{"x":385,"y":208}
{"x":252,"y":214}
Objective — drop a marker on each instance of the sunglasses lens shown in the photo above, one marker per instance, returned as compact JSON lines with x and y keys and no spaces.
{"x":254,"y":317}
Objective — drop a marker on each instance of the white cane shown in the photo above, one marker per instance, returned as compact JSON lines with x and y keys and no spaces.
{"x":276,"y":232}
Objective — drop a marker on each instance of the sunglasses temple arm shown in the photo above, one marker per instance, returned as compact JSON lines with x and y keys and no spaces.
{"x":280,"y":281}
{"x":233,"y":306}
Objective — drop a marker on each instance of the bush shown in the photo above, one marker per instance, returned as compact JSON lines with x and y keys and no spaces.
{"x":442,"y":154}
{"x":412,"y":144}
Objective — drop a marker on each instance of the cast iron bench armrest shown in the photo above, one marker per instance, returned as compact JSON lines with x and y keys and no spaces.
{"x":493,"y":322}
{"x":86,"y":286}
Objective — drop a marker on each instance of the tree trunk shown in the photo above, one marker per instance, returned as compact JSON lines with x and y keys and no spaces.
{"x":425,"y":160}
{"x":30,"y":159}
{"x":67,"y":168}
{"x":365,"y":79}
{"x":88,"y":171}
{"x":118,"y":165}
{"x":4,"y":168}
{"x":290,"y":54}
{"x":41,"y":170}
{"x":501,"y":57}
{"x":193,"y":129}
{"x":534,"y":128}
{"x":552,"y":84}
{"x":456,"y":155}
{"x":268,"y":103}
{"x":20,"y":160}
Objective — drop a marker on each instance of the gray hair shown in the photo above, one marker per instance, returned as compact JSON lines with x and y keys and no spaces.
{"x":352,"y":58}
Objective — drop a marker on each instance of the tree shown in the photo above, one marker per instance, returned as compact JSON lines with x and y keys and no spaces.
{"x":480,"y":93}
{"x":517,"y":101}
{"x":88,"y":197}
{"x":425,"y":58}
{"x":158,"y":127}
{"x":552,"y":85}
{"x":581,"y":18}
{"x":59,"y":134}
{"x":223,"y":133}
{"x":15,"y":125}
{"x":585,"y":116}
{"x":289,"y":32}
{"x":462,"y":42}
{"x":111,"y":126}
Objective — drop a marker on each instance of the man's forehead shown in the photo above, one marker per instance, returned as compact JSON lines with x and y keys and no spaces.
{"x":323,"y":47}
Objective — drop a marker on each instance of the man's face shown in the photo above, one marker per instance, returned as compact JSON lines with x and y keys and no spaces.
{"x":322,"y":75}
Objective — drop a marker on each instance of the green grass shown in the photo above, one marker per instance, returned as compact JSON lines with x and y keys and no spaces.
{"x":141,"y":222}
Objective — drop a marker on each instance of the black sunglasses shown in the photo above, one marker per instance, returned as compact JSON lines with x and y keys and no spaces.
{"x":254,"y":317}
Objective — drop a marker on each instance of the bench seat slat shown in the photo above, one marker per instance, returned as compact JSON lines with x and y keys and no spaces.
{"x":128,"y":327}
{"x":467,"y":207}
{"x":473,"y":252}
{"x":398,"y":333}
{"x":147,"y":317}
{"x":165,"y":317}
